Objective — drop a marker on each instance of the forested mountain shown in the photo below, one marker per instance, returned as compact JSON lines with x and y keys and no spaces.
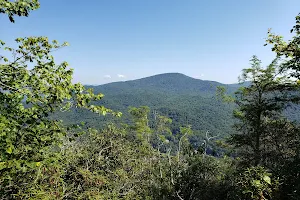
{"x":184,"y":99}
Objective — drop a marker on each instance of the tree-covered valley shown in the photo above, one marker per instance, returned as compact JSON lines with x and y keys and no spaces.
{"x":167,"y":136}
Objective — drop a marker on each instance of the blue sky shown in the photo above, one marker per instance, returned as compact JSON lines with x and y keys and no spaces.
{"x":114,"y":40}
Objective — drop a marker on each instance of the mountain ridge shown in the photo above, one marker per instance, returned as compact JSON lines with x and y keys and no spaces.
{"x":184,"y":99}
{"x":167,"y":82}
{"x":162,"y":75}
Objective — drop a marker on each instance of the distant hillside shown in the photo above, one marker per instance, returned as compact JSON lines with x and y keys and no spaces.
{"x":184,"y":99}
{"x":171,"y":83}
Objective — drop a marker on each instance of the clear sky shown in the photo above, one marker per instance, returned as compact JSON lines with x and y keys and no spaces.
{"x":114,"y":40}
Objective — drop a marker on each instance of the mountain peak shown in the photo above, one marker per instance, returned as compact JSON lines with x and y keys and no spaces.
{"x":169,"y":75}
{"x":176,"y":77}
{"x":176,"y":83}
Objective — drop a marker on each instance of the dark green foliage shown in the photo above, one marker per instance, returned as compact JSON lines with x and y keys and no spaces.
{"x":254,"y":183}
{"x":205,"y":178}
{"x":290,"y":186}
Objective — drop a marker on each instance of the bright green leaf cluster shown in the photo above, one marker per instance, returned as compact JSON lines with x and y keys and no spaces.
{"x":290,"y":50}
{"x":18,"y":8}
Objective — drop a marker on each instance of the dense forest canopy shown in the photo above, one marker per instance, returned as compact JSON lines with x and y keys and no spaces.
{"x":156,"y":152}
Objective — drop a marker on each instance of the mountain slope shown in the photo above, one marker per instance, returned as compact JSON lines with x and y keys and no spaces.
{"x":184,"y":99}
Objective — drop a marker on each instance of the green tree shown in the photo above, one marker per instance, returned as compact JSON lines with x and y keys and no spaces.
{"x":18,"y":8}
{"x":290,"y":49}
{"x":290,"y":52}
{"x":258,"y":105}
{"x":140,"y":121}
{"x":32,"y":86}
{"x":161,"y":133}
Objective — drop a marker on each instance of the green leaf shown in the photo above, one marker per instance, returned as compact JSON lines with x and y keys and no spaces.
{"x":9,"y":150}
{"x":40,"y":55}
{"x":267,"y":179}
{"x":256,"y":183}
{"x":38,"y":164}
{"x":2,"y":165}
